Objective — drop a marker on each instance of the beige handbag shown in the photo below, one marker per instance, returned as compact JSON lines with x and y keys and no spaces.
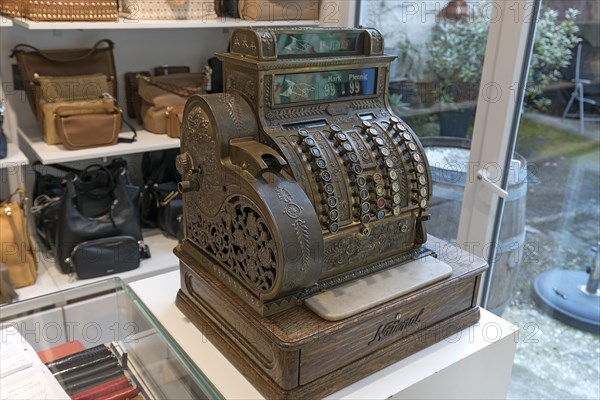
{"x":17,"y":253}
{"x":285,"y":10}
{"x":167,"y":9}
{"x":163,"y":98}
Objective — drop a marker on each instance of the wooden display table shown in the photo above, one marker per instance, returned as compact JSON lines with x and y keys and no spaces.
{"x":473,"y":363}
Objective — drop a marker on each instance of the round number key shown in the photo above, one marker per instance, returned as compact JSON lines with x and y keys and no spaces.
{"x":365,"y":207}
{"x":332,"y":201}
{"x":333,"y":215}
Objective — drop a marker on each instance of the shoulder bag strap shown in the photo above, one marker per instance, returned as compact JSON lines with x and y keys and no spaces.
{"x":18,"y":48}
{"x":128,"y":140}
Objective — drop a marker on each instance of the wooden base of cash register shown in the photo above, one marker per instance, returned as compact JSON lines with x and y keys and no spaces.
{"x":296,"y":354}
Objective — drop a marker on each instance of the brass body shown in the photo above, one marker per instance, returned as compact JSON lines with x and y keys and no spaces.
{"x":257,"y":209}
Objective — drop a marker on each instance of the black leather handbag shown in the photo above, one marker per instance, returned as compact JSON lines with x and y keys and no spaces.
{"x":120,"y":219}
{"x":95,"y":186}
{"x":169,"y":204}
{"x":104,"y":256}
{"x":158,"y":168}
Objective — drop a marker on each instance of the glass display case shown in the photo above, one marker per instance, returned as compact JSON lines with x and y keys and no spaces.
{"x":109,"y":312}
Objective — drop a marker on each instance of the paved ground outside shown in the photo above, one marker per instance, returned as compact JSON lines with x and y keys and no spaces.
{"x":553,"y":360}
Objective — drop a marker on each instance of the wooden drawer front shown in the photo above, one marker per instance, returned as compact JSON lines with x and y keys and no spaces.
{"x":321,"y":357}
{"x":241,"y":331}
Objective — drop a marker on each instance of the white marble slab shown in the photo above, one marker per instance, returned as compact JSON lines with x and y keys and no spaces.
{"x":359,"y":295}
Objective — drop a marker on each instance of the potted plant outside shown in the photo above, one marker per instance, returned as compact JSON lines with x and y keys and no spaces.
{"x":456,"y":60}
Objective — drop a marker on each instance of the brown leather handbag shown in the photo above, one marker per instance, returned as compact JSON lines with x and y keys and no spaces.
{"x":163,"y":98}
{"x":34,"y":63}
{"x":82,"y":125}
{"x":58,"y":91}
{"x":17,"y":253}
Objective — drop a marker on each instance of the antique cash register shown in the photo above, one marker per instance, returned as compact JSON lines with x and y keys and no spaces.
{"x":305,"y":201}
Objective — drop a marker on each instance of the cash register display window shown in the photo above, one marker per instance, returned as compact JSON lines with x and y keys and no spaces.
{"x":324,"y":85}
{"x":319,"y":43}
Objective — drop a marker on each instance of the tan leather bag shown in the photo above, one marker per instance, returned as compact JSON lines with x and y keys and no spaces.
{"x":286,"y":10}
{"x":161,"y":92}
{"x":48,"y":120}
{"x":15,"y":244}
{"x":83,"y":91}
{"x":174,"y":116}
{"x":88,"y":125}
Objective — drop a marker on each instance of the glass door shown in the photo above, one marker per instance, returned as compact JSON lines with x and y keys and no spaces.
{"x":555,"y":299}
{"x":456,"y":84}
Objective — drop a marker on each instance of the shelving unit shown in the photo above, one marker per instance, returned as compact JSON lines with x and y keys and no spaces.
{"x":31,"y":136}
{"x":129,"y":56}
{"x":44,"y":284}
{"x":14,"y":158}
{"x":50,"y":279}
{"x":156,"y":24}
{"x":5,"y":22}
{"x":163,"y":260}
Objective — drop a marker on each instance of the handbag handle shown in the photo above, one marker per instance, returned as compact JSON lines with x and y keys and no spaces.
{"x":18,"y":48}
{"x":86,"y":172}
{"x":183,"y":91}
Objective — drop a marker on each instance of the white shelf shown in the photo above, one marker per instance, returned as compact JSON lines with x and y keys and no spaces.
{"x":50,"y":279}
{"x":5,"y":22}
{"x":14,"y":158}
{"x":48,"y":154}
{"x":163,"y":260}
{"x":157,"y":24}
{"x":44,"y":284}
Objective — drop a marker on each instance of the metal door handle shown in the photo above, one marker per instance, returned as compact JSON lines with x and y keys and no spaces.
{"x":490,"y":185}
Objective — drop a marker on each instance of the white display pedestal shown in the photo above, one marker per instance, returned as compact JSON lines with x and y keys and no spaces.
{"x":475,"y":363}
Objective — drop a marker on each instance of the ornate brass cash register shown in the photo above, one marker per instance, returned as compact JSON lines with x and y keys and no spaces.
{"x":305,"y":201}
